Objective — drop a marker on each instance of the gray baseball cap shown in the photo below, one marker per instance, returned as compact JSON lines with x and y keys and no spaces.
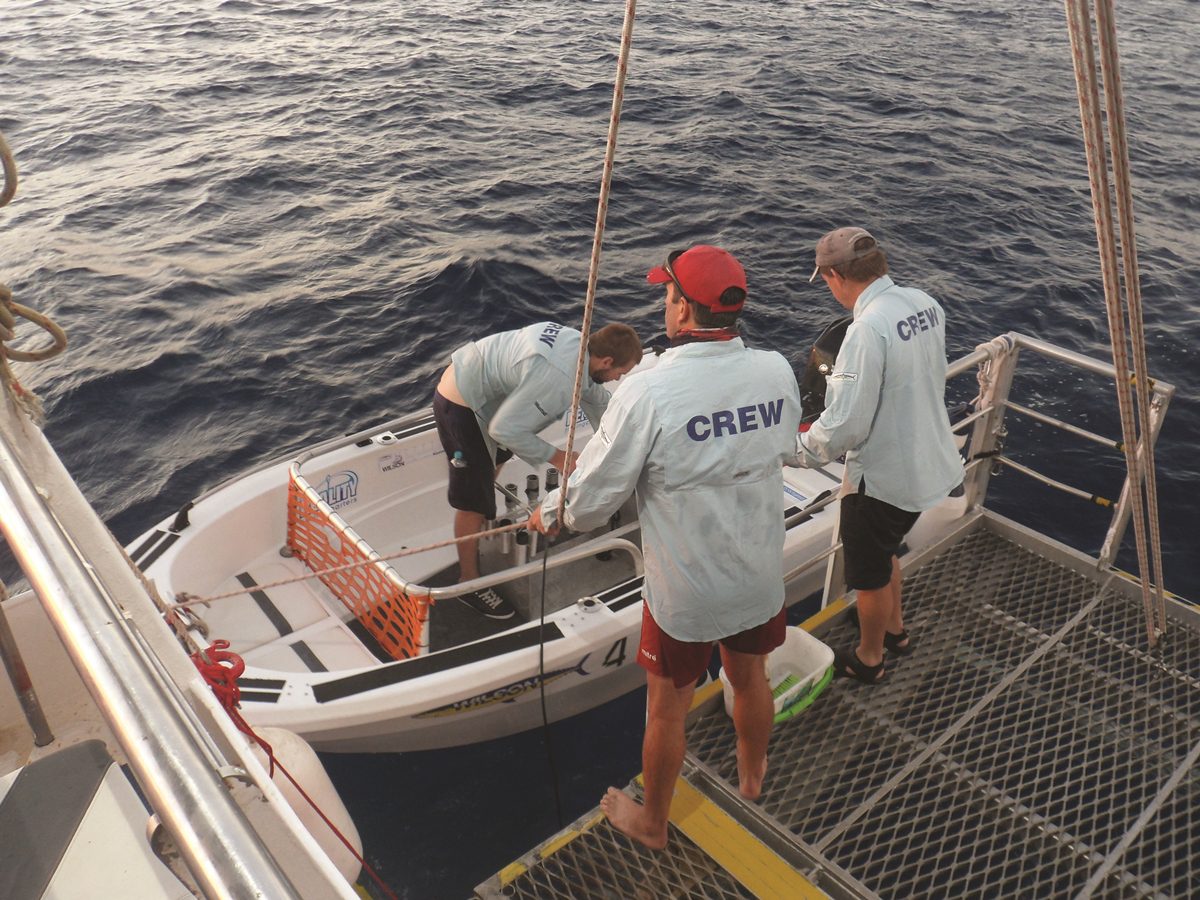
{"x":838,"y":247}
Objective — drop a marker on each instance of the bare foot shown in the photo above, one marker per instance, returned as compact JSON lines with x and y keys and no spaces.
{"x":628,"y":816}
{"x":750,"y":779}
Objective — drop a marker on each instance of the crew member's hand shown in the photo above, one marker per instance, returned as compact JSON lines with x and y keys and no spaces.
{"x":559,"y":461}
{"x":535,"y":523}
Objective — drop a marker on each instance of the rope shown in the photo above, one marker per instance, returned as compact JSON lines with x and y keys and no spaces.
{"x":1139,"y":466}
{"x":10,"y":172}
{"x":585,"y":329}
{"x":1110,"y":68}
{"x":185,"y":600}
{"x":995,"y":348}
{"x":10,"y":310}
{"x":220,"y":669}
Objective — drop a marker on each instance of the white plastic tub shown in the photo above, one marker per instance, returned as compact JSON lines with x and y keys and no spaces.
{"x":798,"y":669}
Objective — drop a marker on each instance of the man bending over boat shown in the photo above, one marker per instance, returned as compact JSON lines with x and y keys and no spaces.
{"x":491,"y":402}
{"x":702,"y":437}
{"x":885,"y":410}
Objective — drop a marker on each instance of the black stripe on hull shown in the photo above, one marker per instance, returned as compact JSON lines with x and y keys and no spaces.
{"x":443,"y":660}
{"x":163,"y":545}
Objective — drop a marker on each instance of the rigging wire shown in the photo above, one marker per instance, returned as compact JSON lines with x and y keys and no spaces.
{"x":610,"y":150}
{"x":1139,"y":455}
{"x":585,"y":331}
{"x":550,"y":761}
{"x":1111,"y":69}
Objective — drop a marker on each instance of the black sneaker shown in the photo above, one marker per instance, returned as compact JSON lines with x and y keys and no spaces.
{"x":487,"y":602}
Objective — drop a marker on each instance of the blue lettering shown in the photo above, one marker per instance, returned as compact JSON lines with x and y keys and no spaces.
{"x":693,"y":428}
{"x":722,"y":421}
{"x":922,"y":321}
{"x":550,"y":334}
{"x":771,"y":413}
{"x":729,"y":421}
{"x":746,"y":419}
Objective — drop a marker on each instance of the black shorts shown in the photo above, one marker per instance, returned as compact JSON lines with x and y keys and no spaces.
{"x":472,"y":487}
{"x":871,"y":534}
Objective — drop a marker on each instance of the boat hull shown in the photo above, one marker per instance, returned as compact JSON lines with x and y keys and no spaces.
{"x":312,"y":668}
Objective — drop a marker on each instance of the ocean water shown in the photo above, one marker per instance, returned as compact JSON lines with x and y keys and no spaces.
{"x":264,"y":223}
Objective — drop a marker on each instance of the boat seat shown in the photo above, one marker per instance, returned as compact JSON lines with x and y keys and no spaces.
{"x":72,"y":818}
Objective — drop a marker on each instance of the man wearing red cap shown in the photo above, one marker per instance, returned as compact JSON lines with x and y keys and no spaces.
{"x":885,"y":411}
{"x":701,"y":437}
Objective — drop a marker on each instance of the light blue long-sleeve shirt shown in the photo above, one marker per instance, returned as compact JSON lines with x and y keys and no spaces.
{"x":702,"y":437}
{"x":885,"y":403}
{"x":518,"y":382}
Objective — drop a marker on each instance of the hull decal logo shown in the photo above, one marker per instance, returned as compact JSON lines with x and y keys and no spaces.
{"x":339,"y":489}
{"x":390,"y":461}
{"x":509,"y":693}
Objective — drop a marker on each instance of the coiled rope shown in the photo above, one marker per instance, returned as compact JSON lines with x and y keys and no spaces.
{"x":1139,"y":456}
{"x":221,"y":669}
{"x":10,"y":310}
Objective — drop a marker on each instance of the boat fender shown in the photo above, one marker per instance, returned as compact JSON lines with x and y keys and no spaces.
{"x":295,"y":755}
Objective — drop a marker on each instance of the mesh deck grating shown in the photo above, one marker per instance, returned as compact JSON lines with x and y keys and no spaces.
{"x":1012,"y":754}
{"x":1029,"y":747}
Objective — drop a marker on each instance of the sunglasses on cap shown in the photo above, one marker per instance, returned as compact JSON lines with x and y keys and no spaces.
{"x":669,"y":268}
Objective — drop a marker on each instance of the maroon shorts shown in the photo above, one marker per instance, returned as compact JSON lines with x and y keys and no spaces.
{"x":684,"y":661}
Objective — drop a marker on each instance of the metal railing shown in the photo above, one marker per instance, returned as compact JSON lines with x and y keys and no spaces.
{"x":158,"y":731}
{"x":986,"y":442}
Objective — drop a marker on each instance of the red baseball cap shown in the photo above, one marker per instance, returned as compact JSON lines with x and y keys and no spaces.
{"x":706,"y":275}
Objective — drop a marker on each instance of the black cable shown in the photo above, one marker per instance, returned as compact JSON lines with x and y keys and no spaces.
{"x":542,"y":684}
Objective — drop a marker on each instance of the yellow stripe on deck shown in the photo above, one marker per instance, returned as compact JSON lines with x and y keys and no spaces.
{"x":755,"y":866}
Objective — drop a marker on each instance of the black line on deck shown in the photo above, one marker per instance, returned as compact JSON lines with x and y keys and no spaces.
{"x":308,"y":657}
{"x":269,"y":609}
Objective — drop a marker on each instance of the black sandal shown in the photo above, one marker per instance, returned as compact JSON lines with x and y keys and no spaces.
{"x":848,"y":665}
{"x":894,"y":642}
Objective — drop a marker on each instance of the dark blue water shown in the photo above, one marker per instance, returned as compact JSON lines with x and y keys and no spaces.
{"x":263,"y":223}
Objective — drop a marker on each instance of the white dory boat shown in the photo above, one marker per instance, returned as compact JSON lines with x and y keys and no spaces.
{"x":382,"y":656}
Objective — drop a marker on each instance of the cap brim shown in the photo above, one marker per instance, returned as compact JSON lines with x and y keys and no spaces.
{"x":658,"y":275}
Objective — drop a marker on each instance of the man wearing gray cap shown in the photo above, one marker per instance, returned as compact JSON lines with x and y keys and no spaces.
{"x":885,"y":410}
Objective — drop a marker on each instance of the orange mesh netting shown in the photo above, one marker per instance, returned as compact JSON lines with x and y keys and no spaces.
{"x":323,"y":542}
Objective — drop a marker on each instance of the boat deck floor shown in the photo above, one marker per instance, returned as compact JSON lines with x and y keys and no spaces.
{"x":1031,"y":745}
